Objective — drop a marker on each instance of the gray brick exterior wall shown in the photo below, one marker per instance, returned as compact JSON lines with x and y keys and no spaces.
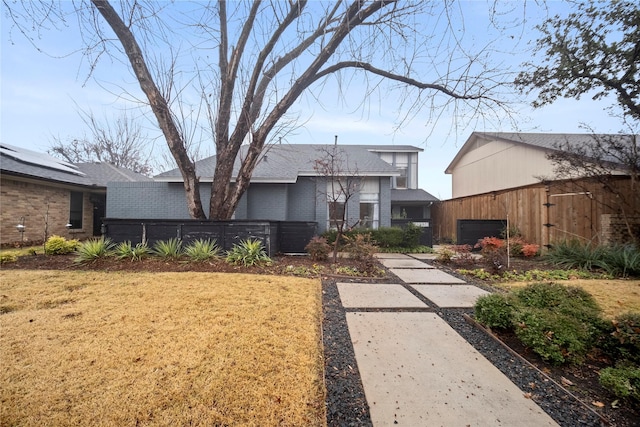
{"x":385,"y":201}
{"x":303,"y":200}
{"x":267,"y":201}
{"x":278,"y":202}
{"x":150,"y":200}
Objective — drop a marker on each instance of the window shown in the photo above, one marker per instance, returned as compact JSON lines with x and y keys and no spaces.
{"x":369,"y":203}
{"x":369,"y":215}
{"x":75,"y":209}
{"x":401,"y":181}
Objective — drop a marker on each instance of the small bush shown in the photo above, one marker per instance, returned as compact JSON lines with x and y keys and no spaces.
{"x":318,"y":248}
{"x":495,"y":311}
{"x":490,"y":244}
{"x":169,"y":249}
{"x":248,"y":253}
{"x":530,"y":250}
{"x":94,"y":249}
{"x":445,"y":256}
{"x":202,"y":250}
{"x":627,"y":334}
{"x":463,"y":254}
{"x":57,"y":245}
{"x":556,"y":337}
{"x":623,"y":381}
{"x":7,"y":258}
{"x":125,"y":250}
{"x":388,"y":237}
{"x":411,"y":235}
{"x":360,"y":247}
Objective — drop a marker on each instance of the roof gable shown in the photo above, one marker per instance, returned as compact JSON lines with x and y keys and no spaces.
{"x":285,"y":162}
{"x":543,"y":141}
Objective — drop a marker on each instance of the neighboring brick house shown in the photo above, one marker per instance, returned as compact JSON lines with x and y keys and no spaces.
{"x":41,"y":192}
{"x":285,"y":187}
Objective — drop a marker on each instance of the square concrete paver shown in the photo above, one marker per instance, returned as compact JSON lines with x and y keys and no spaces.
{"x":417,"y":371}
{"x":404,"y":263}
{"x":391,"y":256}
{"x":425,"y":256}
{"x":459,"y":296}
{"x":423,"y":275}
{"x":369,"y":295}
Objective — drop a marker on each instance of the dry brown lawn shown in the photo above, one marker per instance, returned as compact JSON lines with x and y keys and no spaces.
{"x":127,"y":349}
{"x":614,"y":296}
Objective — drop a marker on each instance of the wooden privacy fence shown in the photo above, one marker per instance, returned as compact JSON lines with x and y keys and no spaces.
{"x":544,"y":212}
{"x":276,"y":236}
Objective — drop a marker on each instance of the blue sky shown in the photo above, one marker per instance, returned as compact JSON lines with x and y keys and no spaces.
{"x":41,"y":94}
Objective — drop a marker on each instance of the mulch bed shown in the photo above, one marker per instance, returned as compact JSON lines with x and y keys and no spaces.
{"x":346,"y":402}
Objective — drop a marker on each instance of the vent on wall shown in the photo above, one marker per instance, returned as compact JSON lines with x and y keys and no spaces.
{"x":38,"y":159}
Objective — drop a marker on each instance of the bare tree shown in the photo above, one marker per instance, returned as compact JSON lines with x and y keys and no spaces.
{"x":121,"y":143}
{"x":253,"y":60}
{"x":338,"y":184}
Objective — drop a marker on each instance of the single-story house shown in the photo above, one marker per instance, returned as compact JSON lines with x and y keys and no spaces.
{"x":42,"y":194}
{"x":499,"y":176}
{"x":286,"y":187}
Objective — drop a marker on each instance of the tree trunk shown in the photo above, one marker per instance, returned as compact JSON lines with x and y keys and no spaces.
{"x":158,"y":105}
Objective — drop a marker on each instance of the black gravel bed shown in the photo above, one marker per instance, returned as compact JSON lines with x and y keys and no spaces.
{"x":553,"y":399}
{"x":346,"y":404}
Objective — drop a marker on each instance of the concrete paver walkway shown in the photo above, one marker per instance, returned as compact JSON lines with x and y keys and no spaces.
{"x":418,"y":371}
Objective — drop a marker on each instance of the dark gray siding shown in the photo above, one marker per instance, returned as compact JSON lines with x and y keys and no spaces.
{"x":152,"y":200}
{"x":302,"y":200}
{"x":267,"y":201}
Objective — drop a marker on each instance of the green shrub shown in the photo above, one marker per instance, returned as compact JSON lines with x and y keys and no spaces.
{"x":421,"y":249}
{"x":627,"y":334}
{"x":169,"y":249}
{"x":93,"y":249}
{"x":568,"y":300}
{"x":248,"y":252}
{"x":318,"y":248}
{"x":57,"y":245}
{"x":622,"y":381}
{"x":388,"y":237}
{"x":495,"y":311}
{"x":202,"y":250}
{"x":125,"y":250}
{"x":7,"y":258}
{"x":557,"y":338}
{"x":411,"y":235}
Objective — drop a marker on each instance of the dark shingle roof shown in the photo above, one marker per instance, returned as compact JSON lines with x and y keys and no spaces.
{"x":412,"y":195}
{"x":284,"y":163}
{"x":32,"y":164}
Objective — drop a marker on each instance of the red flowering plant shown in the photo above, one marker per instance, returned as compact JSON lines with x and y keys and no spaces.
{"x":489,"y":244}
{"x":530,"y":250}
{"x":494,"y":252}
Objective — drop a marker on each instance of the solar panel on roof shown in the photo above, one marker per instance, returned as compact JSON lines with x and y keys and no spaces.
{"x":39,"y":159}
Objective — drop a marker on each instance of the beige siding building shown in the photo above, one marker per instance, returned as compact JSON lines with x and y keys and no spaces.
{"x":507,"y":176}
